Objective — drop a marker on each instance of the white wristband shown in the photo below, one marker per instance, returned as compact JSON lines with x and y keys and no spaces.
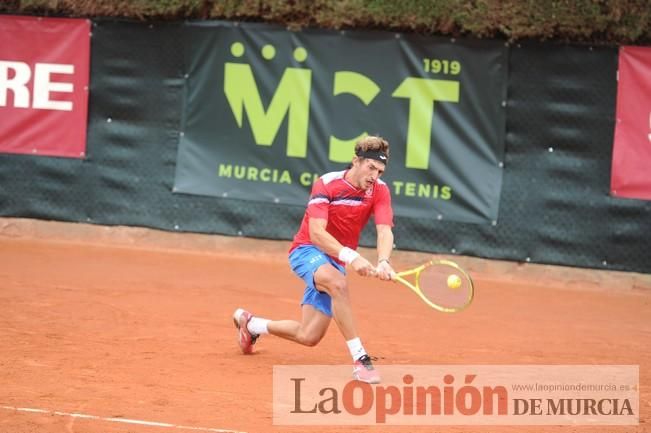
{"x":347,"y":255}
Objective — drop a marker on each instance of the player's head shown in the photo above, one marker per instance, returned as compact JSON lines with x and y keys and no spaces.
{"x":370,"y":161}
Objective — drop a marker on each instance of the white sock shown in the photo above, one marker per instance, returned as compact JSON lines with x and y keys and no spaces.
{"x":258,"y":325}
{"x":356,"y":348}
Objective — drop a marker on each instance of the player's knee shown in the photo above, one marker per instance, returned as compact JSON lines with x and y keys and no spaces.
{"x":339,"y":288}
{"x":310,"y":340}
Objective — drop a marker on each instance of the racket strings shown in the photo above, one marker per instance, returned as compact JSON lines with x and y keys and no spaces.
{"x":438,"y":284}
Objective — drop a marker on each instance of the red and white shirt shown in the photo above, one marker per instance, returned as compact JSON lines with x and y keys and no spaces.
{"x":346,"y":208}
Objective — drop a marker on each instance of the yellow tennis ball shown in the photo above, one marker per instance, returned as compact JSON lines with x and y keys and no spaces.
{"x":454,"y":282}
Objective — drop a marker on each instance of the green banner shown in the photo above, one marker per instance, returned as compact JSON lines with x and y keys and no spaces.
{"x":267,"y":110}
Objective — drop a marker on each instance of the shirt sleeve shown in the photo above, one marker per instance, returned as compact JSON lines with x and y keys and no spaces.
{"x":382,"y":210}
{"x":319,"y":203}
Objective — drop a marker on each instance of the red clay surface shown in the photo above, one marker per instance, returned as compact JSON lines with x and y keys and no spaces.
{"x":146,"y":334}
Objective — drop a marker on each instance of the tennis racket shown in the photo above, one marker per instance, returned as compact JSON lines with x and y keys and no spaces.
{"x":441,"y":284}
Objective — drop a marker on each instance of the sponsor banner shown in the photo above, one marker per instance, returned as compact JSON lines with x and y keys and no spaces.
{"x":268,"y":110}
{"x":44,"y":70}
{"x":458,"y":395}
{"x":630,"y":176}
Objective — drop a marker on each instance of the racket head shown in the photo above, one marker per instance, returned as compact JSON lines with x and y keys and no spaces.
{"x":443,"y":285}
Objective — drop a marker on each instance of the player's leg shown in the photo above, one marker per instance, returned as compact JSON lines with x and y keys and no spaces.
{"x":332,"y":280}
{"x":305,"y":261}
{"x":308,"y":332}
{"x":316,"y":316}
{"x":326,"y":295}
{"x":326,"y":292}
{"x":316,"y":305}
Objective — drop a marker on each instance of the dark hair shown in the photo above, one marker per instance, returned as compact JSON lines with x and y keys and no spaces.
{"x":372,"y":142}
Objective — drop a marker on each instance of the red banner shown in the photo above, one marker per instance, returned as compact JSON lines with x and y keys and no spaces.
{"x":631,"y":168}
{"x":44,"y":70}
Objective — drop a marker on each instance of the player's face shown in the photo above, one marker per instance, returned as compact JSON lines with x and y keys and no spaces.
{"x":366,"y":172}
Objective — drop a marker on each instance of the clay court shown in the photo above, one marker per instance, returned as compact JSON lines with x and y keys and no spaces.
{"x":129,"y":330}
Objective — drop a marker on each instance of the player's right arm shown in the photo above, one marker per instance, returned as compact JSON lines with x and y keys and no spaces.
{"x":320,"y":237}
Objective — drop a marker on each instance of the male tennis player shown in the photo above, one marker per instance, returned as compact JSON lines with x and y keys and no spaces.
{"x":339,"y":207}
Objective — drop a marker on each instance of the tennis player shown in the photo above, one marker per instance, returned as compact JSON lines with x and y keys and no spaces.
{"x":339,"y":207}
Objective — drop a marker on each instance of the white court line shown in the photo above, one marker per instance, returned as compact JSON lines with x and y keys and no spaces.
{"x":121,"y":420}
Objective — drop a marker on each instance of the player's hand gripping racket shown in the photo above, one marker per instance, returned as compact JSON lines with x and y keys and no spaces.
{"x":441,"y":284}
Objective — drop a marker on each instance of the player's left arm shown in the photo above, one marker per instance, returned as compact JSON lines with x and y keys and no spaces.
{"x":384,"y":249}
{"x":383,"y":215}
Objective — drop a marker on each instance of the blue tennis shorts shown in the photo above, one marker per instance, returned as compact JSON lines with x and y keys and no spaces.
{"x":305,"y":260}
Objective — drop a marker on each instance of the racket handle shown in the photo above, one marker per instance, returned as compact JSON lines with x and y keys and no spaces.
{"x":374,"y":273}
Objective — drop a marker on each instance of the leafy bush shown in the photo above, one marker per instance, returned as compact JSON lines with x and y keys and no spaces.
{"x":592,"y":21}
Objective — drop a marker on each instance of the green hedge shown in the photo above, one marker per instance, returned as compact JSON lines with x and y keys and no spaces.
{"x":592,"y":21}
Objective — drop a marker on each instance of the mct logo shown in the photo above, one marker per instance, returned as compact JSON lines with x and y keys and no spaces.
{"x":268,"y":111}
{"x":291,"y":99}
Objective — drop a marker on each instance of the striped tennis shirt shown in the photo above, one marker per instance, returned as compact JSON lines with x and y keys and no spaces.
{"x":346,"y":208}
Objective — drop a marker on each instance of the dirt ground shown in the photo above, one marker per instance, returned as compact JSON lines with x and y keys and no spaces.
{"x":103,"y":326}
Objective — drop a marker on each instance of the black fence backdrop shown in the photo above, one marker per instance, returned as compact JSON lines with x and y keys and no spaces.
{"x":555,"y":206}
